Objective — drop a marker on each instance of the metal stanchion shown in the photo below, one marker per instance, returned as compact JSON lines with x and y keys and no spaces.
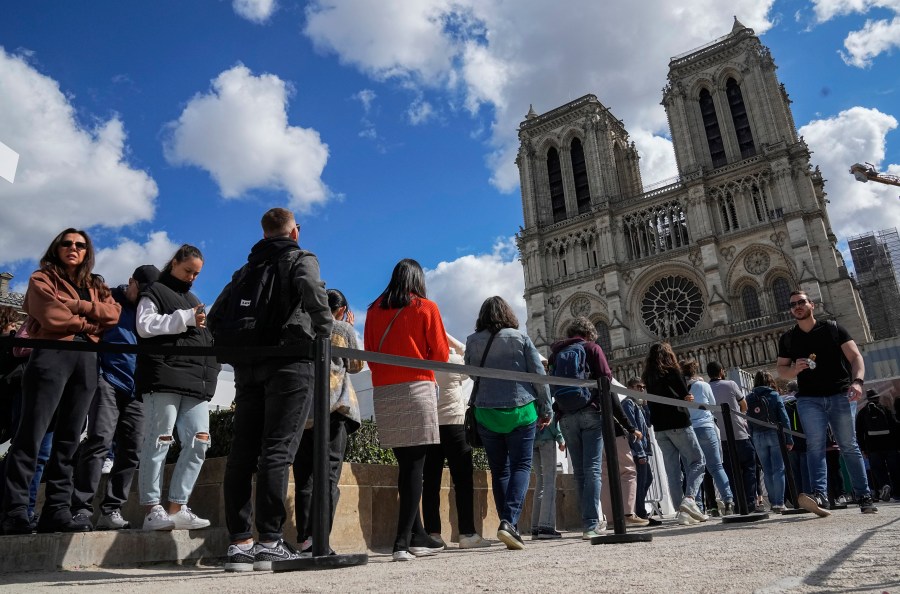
{"x":738,"y":488}
{"x":790,"y":480}
{"x":321,"y":505}
{"x":615,"y":481}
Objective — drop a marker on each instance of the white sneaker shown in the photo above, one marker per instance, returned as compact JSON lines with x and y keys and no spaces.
{"x":107,"y":466}
{"x":112,"y":521}
{"x":689,"y":506}
{"x":185,"y":519}
{"x":158,"y":519}
{"x":403,"y":556}
{"x":685,"y":519}
{"x":472,"y":541}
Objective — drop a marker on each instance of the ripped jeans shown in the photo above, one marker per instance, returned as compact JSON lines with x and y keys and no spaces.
{"x":163,"y":413}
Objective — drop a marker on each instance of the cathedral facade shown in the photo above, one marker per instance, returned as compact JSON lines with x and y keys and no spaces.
{"x":705,"y":261}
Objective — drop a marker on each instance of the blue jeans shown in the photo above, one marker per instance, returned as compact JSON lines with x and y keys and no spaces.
{"x":712,"y":452}
{"x":509,"y":456}
{"x":680,"y":446}
{"x":800,"y":470}
{"x":584,"y":443}
{"x":769,"y":453}
{"x":164,"y":412}
{"x":746,"y":456}
{"x":816,"y":414}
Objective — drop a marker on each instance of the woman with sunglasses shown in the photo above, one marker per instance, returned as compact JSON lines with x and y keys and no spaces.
{"x":65,"y":301}
{"x":175,"y":390}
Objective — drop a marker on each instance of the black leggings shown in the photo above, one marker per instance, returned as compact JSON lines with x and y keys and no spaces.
{"x":458,"y":453}
{"x":411,"y":461}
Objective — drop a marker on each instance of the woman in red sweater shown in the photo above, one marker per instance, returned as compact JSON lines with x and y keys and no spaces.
{"x":403,"y":322}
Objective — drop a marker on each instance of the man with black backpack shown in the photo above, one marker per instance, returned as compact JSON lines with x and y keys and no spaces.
{"x":275,"y":299}
{"x":829,"y":370}
{"x":578,"y":412}
{"x":876,"y":432}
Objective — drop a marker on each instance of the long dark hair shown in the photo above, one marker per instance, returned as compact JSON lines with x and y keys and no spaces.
{"x":82,"y":277}
{"x":407,"y":279}
{"x":763,"y":379}
{"x":184,"y":252}
{"x":495,"y":315}
{"x":660,"y":361}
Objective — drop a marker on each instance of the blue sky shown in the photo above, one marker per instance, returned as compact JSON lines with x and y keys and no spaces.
{"x":388,"y":126}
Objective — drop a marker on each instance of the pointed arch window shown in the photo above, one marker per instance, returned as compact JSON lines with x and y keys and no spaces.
{"x":750,"y":301}
{"x":711,"y":125}
{"x":781,"y":291}
{"x":740,"y":119}
{"x":603,"y":338}
{"x":579,"y":173}
{"x":557,"y":195}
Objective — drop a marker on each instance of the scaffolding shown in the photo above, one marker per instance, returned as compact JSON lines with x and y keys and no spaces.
{"x":876,"y":258}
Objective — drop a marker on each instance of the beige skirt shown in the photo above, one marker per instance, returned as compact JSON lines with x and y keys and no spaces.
{"x":406,"y":414}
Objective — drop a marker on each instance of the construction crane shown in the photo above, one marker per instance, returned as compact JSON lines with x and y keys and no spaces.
{"x":868,"y":172}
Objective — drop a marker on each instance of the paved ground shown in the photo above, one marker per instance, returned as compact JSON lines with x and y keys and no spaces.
{"x":848,"y":552}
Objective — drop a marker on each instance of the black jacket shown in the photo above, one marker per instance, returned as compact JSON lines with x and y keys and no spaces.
{"x":666,"y":417}
{"x":186,"y":375}
{"x":306,"y":311}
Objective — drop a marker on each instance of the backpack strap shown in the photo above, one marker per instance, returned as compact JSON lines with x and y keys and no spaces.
{"x":478,"y":377}
{"x":388,"y":329}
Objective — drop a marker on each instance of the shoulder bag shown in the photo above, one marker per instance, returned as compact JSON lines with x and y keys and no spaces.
{"x":470,"y":424}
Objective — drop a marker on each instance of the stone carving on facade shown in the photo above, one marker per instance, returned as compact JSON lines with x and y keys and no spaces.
{"x":695,"y":258}
{"x":757,"y":262}
{"x":727,"y":253}
{"x":777,"y":238}
{"x":672,"y":306}
{"x":601,"y":288}
{"x":554,"y":301}
{"x":627,"y":276}
{"x":581,"y":306}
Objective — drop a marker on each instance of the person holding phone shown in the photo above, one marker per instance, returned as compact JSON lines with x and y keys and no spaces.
{"x":175,"y":390}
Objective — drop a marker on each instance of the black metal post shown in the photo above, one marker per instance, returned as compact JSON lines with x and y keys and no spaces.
{"x":321,"y":506}
{"x":790,"y":479}
{"x":612,"y":466}
{"x":738,"y":489}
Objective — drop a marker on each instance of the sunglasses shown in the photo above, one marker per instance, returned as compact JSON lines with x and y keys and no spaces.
{"x":798,"y":303}
{"x":67,"y":243}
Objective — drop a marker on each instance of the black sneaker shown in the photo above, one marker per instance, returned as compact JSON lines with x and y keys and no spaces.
{"x":867,"y":505}
{"x":815,"y":503}
{"x":281,"y":551}
{"x":240,"y":559}
{"x":82,"y":524}
{"x":510,"y":536}
{"x":548,"y":534}
{"x":424,"y":545}
{"x":82,"y":521}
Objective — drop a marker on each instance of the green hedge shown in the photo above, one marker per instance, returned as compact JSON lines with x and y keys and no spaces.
{"x":362,"y":446}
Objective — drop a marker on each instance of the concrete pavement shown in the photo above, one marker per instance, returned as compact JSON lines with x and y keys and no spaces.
{"x":848,"y":552}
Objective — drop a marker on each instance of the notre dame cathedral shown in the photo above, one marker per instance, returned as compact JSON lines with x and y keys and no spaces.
{"x":705,"y":261}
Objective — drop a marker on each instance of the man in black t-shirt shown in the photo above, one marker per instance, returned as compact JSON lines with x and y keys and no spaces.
{"x":829,"y":370}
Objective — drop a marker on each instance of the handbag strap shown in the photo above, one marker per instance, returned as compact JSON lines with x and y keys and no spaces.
{"x":388,"y":329}
{"x":478,"y":377}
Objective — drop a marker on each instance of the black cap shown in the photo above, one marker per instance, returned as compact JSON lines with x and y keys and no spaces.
{"x":144,"y":275}
{"x":871,"y":394}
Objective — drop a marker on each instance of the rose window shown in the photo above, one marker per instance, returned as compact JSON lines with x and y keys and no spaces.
{"x":672,"y":306}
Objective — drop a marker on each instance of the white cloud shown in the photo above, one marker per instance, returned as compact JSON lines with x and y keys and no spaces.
{"x":419,"y":112}
{"x":853,"y":136}
{"x":239,"y":133}
{"x":877,"y":36}
{"x":68,"y":175}
{"x":257,"y":11}
{"x":504,"y":55}
{"x":366,"y":97}
{"x":117,"y":263}
{"x":461,"y":286}
{"x":874,"y":39}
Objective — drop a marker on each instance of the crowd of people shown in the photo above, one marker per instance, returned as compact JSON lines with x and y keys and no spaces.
{"x":145,"y":404}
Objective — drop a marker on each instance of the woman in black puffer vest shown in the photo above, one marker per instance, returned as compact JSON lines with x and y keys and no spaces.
{"x":176,"y":391}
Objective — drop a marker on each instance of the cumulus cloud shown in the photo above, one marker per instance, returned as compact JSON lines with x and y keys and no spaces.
{"x":419,"y":112}
{"x":855,"y":135}
{"x":69,"y":175}
{"x":877,"y":36}
{"x":239,"y":133}
{"x":459,"y":287}
{"x":257,"y":11}
{"x":118,"y":262}
{"x":501,"y":56}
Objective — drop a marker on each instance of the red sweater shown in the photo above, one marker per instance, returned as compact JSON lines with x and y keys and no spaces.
{"x":417,"y":332}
